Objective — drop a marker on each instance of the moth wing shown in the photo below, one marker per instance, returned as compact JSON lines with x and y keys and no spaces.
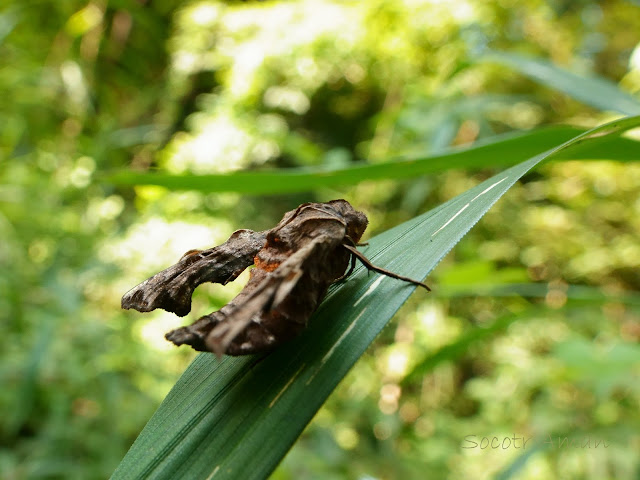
{"x":171,"y":289}
{"x":285,"y":287}
{"x":270,"y":292}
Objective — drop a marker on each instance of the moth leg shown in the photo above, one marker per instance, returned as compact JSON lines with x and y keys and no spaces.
{"x":349,"y":272}
{"x":383,"y":271}
{"x":352,"y":243}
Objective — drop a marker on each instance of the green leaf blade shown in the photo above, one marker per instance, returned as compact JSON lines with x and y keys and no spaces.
{"x":237,"y":418}
{"x":505,"y":150}
{"x":597,"y":92}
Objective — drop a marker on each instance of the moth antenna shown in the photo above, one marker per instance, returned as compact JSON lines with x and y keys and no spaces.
{"x":388,"y":273}
{"x":355,"y":244}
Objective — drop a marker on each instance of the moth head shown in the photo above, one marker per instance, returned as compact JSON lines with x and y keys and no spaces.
{"x":356,"y":225}
{"x":356,"y":221}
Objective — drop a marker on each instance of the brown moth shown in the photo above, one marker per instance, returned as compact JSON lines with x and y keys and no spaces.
{"x":295,"y":262}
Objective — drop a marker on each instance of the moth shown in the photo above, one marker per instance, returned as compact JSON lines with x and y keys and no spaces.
{"x":295,"y":263}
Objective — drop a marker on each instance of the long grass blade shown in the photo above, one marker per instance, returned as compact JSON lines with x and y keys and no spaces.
{"x":237,"y":418}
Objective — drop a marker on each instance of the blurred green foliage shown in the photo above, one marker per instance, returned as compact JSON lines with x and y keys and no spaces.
{"x":89,"y":88}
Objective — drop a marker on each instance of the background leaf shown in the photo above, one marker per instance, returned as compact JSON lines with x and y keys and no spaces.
{"x":594,"y":91}
{"x":504,"y":150}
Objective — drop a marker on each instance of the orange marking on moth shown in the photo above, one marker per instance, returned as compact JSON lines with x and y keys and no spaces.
{"x":267,"y":266}
{"x":191,"y":253}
